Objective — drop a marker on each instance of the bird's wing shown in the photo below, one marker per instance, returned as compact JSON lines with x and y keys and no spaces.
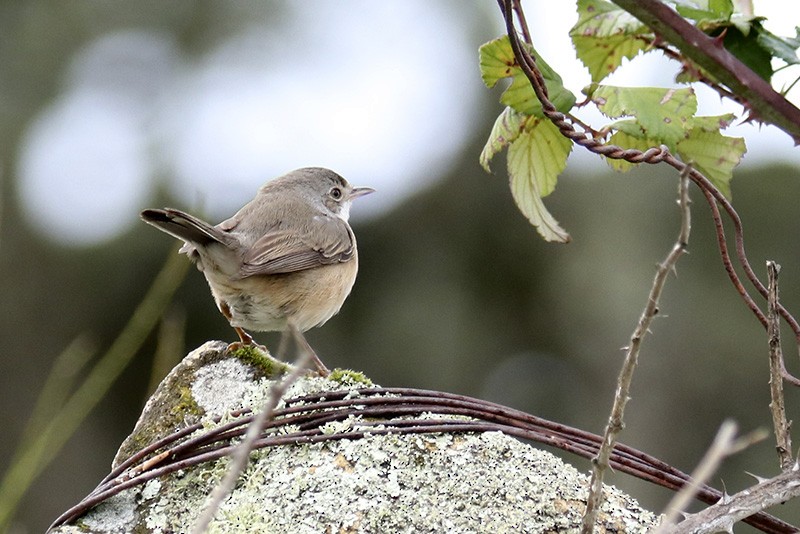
{"x":324,"y":241}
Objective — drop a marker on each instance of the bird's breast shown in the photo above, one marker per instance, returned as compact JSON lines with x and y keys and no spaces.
{"x":265,"y":303}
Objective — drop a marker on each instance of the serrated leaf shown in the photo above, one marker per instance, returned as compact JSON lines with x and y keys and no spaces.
{"x":713,"y":154}
{"x":602,"y":56}
{"x":535,"y":159}
{"x":520,"y":95}
{"x":630,"y":127}
{"x":748,"y":50}
{"x":602,"y":18}
{"x":506,"y":129}
{"x":497,"y":61}
{"x":604,"y":35}
{"x":712,"y":123}
{"x":784,"y":48}
{"x":626,"y":141}
{"x":700,"y":10}
{"x":663,"y":114}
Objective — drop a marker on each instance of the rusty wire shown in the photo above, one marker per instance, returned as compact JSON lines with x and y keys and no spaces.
{"x":381,"y":411}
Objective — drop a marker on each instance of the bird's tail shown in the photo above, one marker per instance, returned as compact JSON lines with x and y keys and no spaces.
{"x":187,"y":227}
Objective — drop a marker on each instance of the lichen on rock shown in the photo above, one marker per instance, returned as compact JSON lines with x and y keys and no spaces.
{"x":463,"y":482}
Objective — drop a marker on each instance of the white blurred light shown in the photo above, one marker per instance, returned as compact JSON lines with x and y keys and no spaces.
{"x":84,"y":165}
{"x":385,"y":104}
{"x":380,"y":92}
{"x":83,"y":168}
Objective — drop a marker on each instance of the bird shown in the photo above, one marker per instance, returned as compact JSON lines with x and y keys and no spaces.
{"x":286,"y":260}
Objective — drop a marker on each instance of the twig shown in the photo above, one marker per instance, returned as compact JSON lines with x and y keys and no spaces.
{"x":615,"y":420}
{"x":241,"y":453}
{"x":526,"y":34}
{"x":722,"y":516}
{"x":694,"y":70}
{"x":776,"y":405}
{"x":713,"y":198}
{"x":169,"y":347}
{"x":723,"y":446}
{"x":57,"y":431}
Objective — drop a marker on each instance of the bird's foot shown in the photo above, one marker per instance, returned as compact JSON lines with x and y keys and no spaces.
{"x":245,"y":340}
{"x":322,"y":369}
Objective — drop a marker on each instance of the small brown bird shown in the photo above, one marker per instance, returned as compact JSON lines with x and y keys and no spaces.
{"x":288,"y":258}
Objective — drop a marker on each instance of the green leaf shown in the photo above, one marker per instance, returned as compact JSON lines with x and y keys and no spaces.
{"x":713,"y":154}
{"x":521,"y":97}
{"x":630,"y":127}
{"x":506,"y":129}
{"x":712,"y":123}
{"x":601,"y":18}
{"x":784,"y":48}
{"x":497,"y":62}
{"x":722,"y":8}
{"x":686,"y":76}
{"x":604,"y":35}
{"x":701,"y":10}
{"x":627,"y":141}
{"x":748,"y":49}
{"x":663,"y":114}
{"x":535,"y":159}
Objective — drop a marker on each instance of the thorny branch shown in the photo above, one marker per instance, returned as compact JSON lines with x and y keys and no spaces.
{"x":760,"y":99}
{"x":381,"y":411}
{"x":615,"y":421}
{"x":724,"y":445}
{"x":776,"y":405}
{"x":722,"y":516}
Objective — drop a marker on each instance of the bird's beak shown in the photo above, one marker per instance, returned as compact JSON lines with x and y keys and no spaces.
{"x":360,"y":192}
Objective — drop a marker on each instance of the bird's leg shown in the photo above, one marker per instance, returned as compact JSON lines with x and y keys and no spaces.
{"x":322,"y":369}
{"x":245,"y":339}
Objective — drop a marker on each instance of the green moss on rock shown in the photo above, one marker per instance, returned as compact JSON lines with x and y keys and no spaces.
{"x":264,"y":364}
{"x":348,"y":377}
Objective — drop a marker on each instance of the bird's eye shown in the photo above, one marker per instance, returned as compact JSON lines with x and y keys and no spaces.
{"x":336,"y":193}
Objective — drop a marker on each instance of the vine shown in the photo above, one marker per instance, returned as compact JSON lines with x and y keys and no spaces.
{"x":653,"y":125}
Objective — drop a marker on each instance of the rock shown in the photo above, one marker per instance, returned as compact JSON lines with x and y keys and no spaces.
{"x":464,"y":482}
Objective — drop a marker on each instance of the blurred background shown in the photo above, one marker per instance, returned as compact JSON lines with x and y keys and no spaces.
{"x":110,"y":107}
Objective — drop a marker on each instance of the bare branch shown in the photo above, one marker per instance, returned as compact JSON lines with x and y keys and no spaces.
{"x":722,"y":516}
{"x":526,"y":34}
{"x":723,"y":446}
{"x":776,"y":405}
{"x":615,"y":420}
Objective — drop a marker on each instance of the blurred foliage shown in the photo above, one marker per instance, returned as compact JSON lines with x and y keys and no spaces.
{"x":456,"y":291}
